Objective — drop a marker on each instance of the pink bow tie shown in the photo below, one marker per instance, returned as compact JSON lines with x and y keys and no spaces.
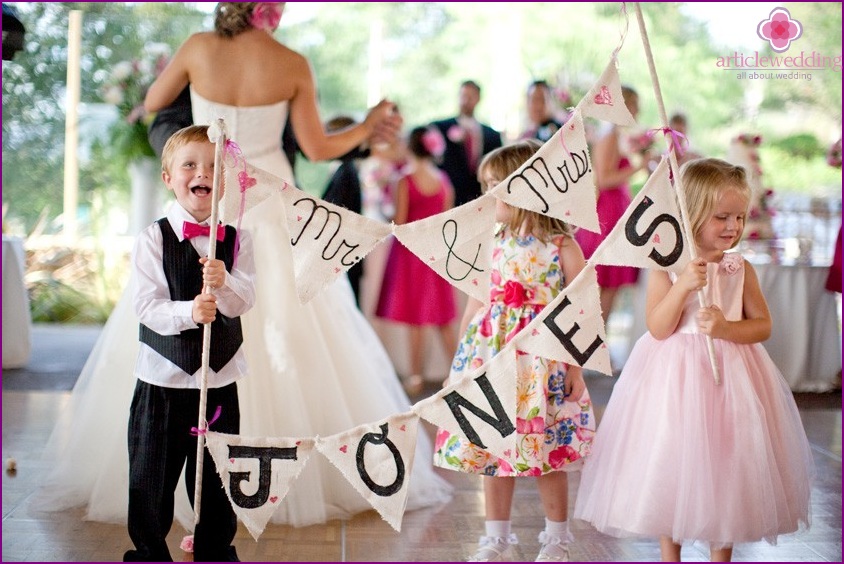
{"x":191,"y":230}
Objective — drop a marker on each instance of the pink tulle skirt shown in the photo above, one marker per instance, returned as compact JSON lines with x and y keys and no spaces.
{"x":678,"y":455}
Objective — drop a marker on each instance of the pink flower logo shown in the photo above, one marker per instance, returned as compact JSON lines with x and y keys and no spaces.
{"x":779,"y":29}
{"x":731,"y":263}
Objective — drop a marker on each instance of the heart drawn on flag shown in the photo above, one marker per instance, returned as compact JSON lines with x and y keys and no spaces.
{"x":603,"y":97}
{"x":344,"y":448}
{"x":231,"y":460}
{"x":246,"y":182}
{"x":402,"y":428}
{"x":273,"y":499}
{"x":656,"y":238}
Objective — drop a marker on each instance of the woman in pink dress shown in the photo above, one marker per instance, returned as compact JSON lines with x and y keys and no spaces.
{"x":612,"y":173}
{"x":411,"y":292}
{"x":678,"y":455}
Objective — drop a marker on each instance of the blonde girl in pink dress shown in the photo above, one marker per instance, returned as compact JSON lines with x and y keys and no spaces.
{"x":676,"y":455}
{"x":534,"y":258}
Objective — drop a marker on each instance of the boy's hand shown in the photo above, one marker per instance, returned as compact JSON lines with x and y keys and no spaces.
{"x":213,"y":272}
{"x":204,"y":308}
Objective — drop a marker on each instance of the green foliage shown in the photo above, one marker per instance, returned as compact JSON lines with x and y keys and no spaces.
{"x":801,"y":146}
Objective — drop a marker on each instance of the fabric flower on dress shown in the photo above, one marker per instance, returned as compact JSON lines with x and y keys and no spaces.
{"x":731,"y":263}
{"x":515,"y":294}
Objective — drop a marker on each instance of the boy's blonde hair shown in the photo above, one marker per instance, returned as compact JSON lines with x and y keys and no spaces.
{"x":704,"y":182}
{"x":189,"y":134}
{"x":501,"y":163}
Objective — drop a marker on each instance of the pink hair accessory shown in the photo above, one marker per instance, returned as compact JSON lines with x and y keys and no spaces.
{"x":433,"y":142}
{"x":266,"y":15}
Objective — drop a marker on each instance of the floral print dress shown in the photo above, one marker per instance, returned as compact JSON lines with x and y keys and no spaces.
{"x":552,"y":433}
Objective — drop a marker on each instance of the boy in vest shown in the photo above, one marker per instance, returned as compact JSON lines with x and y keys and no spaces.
{"x":170,"y":270}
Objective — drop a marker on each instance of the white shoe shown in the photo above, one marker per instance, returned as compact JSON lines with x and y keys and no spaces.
{"x":494,"y":549}
{"x":554,"y":548}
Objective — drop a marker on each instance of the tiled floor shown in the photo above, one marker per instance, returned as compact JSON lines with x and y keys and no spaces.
{"x":446,"y":533}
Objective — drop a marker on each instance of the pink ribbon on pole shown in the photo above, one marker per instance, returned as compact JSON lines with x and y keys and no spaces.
{"x":195,"y":431}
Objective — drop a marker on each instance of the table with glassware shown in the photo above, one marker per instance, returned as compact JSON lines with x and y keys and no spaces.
{"x":17,"y":322}
{"x":805,"y":341}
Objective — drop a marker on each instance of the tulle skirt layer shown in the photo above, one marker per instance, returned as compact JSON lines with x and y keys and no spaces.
{"x":678,"y":455}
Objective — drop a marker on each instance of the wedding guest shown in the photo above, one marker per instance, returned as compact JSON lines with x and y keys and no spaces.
{"x":467,"y":140}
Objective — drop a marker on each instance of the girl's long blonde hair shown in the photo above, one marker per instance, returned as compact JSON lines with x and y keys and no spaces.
{"x":704,"y":181}
{"x":501,"y":163}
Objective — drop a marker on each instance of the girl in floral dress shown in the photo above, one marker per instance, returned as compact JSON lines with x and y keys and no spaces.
{"x":533,"y":259}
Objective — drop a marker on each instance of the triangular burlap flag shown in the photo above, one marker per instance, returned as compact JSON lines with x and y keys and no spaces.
{"x":481,"y":406}
{"x":327,"y":239}
{"x":377,"y":460}
{"x":245,"y":185}
{"x":257,"y":473}
{"x":456,"y":244}
{"x":558,"y":180}
{"x":605,"y":101}
{"x":650,"y":233}
{"x":570,"y":328}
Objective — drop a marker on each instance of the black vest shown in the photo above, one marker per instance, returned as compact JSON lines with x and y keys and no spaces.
{"x":184,"y":279}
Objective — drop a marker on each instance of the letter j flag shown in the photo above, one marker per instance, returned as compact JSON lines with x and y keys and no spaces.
{"x":257,"y":473}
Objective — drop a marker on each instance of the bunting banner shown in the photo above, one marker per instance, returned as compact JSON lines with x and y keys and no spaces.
{"x":558,"y":180}
{"x":650,"y":233}
{"x":377,"y":460}
{"x":456,"y":244}
{"x":480,"y":406}
{"x":327,"y":239}
{"x":257,"y":473}
{"x":246,"y":185}
{"x":570,"y":328}
{"x":605,"y":100}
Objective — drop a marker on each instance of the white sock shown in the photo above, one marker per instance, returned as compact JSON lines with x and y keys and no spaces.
{"x":557,"y":528}
{"x":499,"y":529}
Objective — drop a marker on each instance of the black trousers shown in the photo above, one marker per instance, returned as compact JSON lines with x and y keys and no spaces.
{"x":160,"y":443}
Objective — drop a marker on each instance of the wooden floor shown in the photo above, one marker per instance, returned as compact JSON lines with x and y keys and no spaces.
{"x":447,"y":533}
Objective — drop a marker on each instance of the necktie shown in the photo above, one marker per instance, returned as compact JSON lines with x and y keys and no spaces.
{"x":469,"y":142}
{"x":191,"y":230}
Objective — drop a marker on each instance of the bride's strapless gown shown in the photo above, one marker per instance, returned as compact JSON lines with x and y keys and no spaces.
{"x":315,"y":369}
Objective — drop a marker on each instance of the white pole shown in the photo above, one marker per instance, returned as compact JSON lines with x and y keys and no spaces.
{"x":71,"y":126}
{"x":678,"y":187}
{"x":202,"y":424}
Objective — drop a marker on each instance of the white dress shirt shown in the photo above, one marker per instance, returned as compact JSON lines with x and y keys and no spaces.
{"x":157,"y":311}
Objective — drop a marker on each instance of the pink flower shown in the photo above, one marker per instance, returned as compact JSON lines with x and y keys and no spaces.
{"x":514,"y":294}
{"x":433,"y":142}
{"x":560,"y":456}
{"x":731,"y":263}
{"x":535,"y":426}
{"x":456,"y":134}
{"x":485,"y":328}
{"x":266,"y":15}
{"x":187,"y":543}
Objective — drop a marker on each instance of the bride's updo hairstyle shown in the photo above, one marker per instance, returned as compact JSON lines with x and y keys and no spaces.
{"x":232,"y":18}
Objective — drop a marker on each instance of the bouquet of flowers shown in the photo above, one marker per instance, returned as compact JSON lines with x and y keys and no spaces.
{"x":126,"y":88}
{"x":642,"y":143}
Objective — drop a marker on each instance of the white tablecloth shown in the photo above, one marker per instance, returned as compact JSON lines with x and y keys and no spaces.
{"x":805,"y":341}
{"x":17,"y":322}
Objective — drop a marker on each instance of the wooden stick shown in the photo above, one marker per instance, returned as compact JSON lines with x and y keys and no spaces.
{"x":681,"y":198}
{"x":202,"y":425}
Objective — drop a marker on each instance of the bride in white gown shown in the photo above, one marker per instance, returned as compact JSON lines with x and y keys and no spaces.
{"x":314,"y":369}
